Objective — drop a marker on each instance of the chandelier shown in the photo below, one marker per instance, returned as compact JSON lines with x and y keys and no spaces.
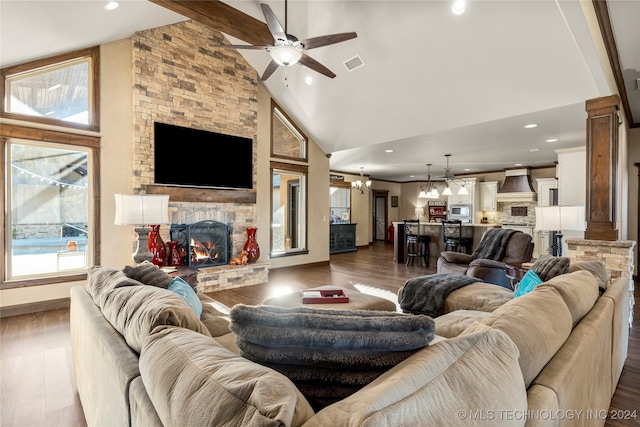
{"x":361,"y":185}
{"x":430,"y":190}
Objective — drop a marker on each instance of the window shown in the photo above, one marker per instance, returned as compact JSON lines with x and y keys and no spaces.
{"x":49,"y":188}
{"x":288,"y":187}
{"x":61,"y":90}
{"x":288,"y":216}
{"x":49,"y":178}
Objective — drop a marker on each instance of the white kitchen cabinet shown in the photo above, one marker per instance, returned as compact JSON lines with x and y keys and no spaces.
{"x":488,"y":196}
{"x":572,"y":176}
{"x":544,"y":187}
{"x":463,"y":199}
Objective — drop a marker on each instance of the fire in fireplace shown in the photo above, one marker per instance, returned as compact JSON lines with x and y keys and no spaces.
{"x":202,"y":244}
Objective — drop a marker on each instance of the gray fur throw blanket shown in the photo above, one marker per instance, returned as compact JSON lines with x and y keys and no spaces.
{"x":494,"y":244}
{"x":328,"y":353}
{"x":426,"y":294}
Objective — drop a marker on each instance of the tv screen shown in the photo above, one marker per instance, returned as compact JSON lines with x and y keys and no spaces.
{"x":197,"y":158}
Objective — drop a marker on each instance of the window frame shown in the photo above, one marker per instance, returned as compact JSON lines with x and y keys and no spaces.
{"x":298,"y":169}
{"x":277,"y":113}
{"x":10,"y":131}
{"x":94,"y":85}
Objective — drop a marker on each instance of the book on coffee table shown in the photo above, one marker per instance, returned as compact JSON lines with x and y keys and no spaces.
{"x":324,"y":296}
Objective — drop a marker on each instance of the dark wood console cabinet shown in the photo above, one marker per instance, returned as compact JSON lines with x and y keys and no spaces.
{"x":342,"y":238}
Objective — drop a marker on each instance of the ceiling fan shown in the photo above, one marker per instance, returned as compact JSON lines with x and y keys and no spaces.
{"x":287,"y":50}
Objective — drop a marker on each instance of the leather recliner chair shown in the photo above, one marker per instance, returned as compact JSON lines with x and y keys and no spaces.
{"x":519,"y":249}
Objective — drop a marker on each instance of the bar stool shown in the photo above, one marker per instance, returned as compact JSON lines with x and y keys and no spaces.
{"x":452,"y":234}
{"x":417,"y":244}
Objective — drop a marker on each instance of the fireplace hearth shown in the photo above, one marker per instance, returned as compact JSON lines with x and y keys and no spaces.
{"x":202,"y":244}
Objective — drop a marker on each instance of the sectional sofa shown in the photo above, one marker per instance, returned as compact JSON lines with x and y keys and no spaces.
{"x":552,"y":357}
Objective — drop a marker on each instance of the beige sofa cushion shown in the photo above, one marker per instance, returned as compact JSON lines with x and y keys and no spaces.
{"x":193,"y":381}
{"x":101,"y":280}
{"x":135,"y":310}
{"x":478,"y":296}
{"x":538,"y":323}
{"x":579,"y":290}
{"x":453,"y":324}
{"x":597,"y":268}
{"x":216,"y":321}
{"x":432,"y":387}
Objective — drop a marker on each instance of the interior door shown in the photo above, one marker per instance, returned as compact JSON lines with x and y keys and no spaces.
{"x":380,"y":218}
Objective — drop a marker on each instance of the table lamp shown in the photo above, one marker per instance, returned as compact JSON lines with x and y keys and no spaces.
{"x":558,"y":219}
{"x":419,"y":212}
{"x":141,"y":210}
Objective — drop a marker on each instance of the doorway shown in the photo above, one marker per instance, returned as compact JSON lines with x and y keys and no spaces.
{"x":380,"y":215}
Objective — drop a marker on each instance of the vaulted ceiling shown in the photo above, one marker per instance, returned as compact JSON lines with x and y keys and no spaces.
{"x":433,"y":83}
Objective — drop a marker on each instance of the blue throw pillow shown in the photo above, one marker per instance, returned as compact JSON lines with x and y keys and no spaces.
{"x":529,"y":281}
{"x":186,"y":292}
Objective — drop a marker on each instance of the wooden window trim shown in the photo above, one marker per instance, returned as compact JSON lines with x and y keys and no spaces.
{"x":274,"y":105}
{"x":93,"y":53}
{"x":42,"y":135}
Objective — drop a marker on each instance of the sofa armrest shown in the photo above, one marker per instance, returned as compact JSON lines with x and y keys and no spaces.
{"x":488,"y":263}
{"x":456,"y":257}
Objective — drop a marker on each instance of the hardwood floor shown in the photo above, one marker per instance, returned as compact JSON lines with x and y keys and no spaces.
{"x":37,"y":385}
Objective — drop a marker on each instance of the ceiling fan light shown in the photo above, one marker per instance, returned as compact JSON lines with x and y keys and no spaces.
{"x":285,"y":55}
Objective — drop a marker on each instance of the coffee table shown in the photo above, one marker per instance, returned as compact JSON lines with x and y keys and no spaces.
{"x":357,"y":300}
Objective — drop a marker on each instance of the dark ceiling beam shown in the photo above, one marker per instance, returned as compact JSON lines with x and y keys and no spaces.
{"x":221,"y":17}
{"x":604,"y":22}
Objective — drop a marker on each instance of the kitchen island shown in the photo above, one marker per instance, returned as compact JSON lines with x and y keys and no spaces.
{"x":434,"y":229}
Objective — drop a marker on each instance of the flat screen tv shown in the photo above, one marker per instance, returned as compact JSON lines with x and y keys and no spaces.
{"x":198,"y":158}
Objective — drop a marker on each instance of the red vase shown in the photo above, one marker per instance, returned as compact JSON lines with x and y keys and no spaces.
{"x":251,"y":245}
{"x":157,"y":247}
{"x":174,"y":257}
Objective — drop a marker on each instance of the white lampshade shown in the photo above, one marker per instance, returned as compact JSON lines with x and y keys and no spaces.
{"x":447,"y":191}
{"x":463,"y":191}
{"x":285,"y":55}
{"x":560,"y":218}
{"x":141,"y":209}
{"x":423,"y":194}
{"x":419,"y":211}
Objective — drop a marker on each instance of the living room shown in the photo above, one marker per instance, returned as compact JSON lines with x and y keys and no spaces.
{"x":125,"y":125}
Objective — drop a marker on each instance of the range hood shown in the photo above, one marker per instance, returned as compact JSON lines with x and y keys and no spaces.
{"x":517,"y":187}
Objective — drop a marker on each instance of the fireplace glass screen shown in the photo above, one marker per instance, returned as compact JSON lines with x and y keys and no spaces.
{"x":202,"y":244}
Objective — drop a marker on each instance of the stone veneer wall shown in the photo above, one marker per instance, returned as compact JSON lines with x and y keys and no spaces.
{"x":617,"y":256}
{"x":180,"y":78}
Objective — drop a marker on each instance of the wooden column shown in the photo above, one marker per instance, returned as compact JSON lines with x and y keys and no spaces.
{"x":602,"y":168}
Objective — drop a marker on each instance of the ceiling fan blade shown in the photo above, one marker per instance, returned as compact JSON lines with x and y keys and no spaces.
{"x":273,"y":23}
{"x":308,"y":61}
{"x":242,"y":46}
{"x":320,"y":41}
{"x":273,"y":66}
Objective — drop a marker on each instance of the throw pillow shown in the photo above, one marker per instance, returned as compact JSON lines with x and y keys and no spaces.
{"x":148,"y":273}
{"x":186,"y":292}
{"x":547,"y":267}
{"x":529,"y":281}
{"x":328,"y":353}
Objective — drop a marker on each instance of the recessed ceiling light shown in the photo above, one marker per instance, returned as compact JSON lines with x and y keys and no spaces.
{"x":552,"y":140}
{"x":530,"y":126}
{"x":533,"y":150}
{"x":467,"y":170}
{"x":308,"y":80}
{"x":388,"y":151}
{"x":111,"y":5}
{"x":412,"y":176}
{"x":518,"y":164}
{"x":458,"y":7}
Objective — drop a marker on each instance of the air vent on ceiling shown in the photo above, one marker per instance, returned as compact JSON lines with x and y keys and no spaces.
{"x":353,"y":63}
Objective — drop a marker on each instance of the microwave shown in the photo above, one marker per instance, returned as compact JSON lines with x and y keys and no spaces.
{"x":461,"y":212}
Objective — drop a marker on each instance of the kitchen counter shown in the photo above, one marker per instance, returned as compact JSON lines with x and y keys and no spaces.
{"x":434,"y":229}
